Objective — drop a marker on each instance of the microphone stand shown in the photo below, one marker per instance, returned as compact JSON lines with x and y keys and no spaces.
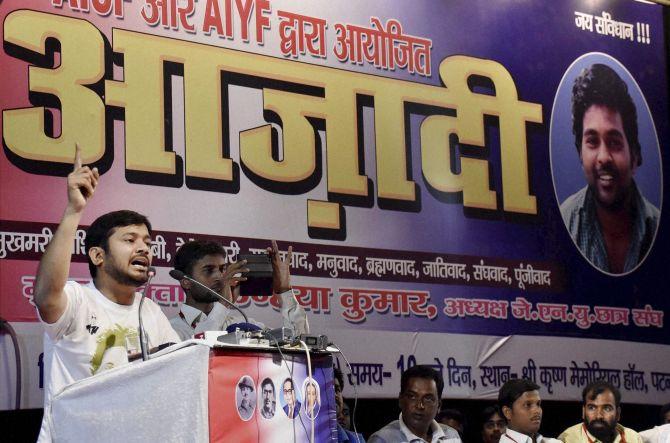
{"x":178,"y":275}
{"x":151,"y":272}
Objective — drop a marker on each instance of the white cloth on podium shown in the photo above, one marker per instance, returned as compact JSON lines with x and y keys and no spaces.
{"x":162,"y":399}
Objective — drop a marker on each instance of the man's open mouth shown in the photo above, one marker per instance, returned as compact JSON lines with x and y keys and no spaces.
{"x":140,"y":263}
{"x":605,"y":176}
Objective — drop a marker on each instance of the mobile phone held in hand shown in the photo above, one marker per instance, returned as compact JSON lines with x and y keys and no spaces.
{"x":259,"y":277}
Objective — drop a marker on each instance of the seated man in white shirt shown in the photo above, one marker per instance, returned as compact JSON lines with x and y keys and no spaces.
{"x":658,"y":434}
{"x":90,"y":328}
{"x":205,"y":261}
{"x":521,"y":405}
{"x":420,"y":400}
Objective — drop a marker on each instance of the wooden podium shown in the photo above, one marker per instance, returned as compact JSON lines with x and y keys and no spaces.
{"x":194,"y":392}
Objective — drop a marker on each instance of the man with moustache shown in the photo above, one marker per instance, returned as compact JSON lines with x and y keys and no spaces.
{"x":601,"y":411}
{"x":493,"y":424}
{"x":609,"y":220}
{"x":269,"y":399}
{"x":292,"y":406}
{"x":93,"y":327}
{"x":521,"y":405}
{"x":247,"y":398}
{"x":205,"y":262}
{"x":420,"y":400}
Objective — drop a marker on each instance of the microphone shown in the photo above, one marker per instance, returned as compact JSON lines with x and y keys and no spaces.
{"x":178,"y":275}
{"x":151,"y":272}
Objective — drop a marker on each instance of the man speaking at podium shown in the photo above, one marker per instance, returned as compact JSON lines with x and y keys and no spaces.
{"x":205,"y":262}
{"x":93,"y":327}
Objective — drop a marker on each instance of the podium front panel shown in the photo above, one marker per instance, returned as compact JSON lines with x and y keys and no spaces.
{"x":251,"y":393}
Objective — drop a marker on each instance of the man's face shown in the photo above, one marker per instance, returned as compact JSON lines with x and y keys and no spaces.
{"x":128,"y":255}
{"x":493,"y":428}
{"x":419,"y":404}
{"x":525,"y":416}
{"x":268,"y":396}
{"x":666,"y":418}
{"x":339,"y":402}
{"x":606,"y":158}
{"x":209,"y":271}
{"x":246,"y":393}
{"x":311,"y":395}
{"x":601,"y":415}
{"x":289,"y":394}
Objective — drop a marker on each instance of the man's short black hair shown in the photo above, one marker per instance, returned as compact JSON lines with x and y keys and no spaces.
{"x":422,"y":371}
{"x":192,"y":251}
{"x":595,"y":388}
{"x":453,"y":414}
{"x":664,"y":410}
{"x":513,"y":389}
{"x":337,"y":373}
{"x":97,"y":235}
{"x":267,"y":381}
{"x":600,"y":85}
{"x":490,"y":411}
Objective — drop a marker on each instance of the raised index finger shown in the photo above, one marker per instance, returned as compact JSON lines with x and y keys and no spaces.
{"x":77,"y":156}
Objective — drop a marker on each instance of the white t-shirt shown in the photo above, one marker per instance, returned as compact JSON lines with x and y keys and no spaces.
{"x":95,"y":334}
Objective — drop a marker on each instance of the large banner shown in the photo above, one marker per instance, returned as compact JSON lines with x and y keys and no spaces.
{"x":471,"y":184}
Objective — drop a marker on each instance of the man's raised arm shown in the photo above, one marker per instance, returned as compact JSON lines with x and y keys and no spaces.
{"x":293,"y":314}
{"x":55,"y":263}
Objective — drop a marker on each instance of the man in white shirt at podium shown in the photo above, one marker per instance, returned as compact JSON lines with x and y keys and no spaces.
{"x":94,"y":327}
{"x":205,"y":261}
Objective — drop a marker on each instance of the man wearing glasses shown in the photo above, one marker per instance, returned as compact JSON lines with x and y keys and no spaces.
{"x":292,"y":406}
{"x":494,"y":424}
{"x":420,"y":398}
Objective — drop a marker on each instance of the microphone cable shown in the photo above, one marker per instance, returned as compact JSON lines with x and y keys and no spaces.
{"x":353,"y":413}
{"x":151,"y":272}
{"x":290,"y":373}
{"x":309,"y":377}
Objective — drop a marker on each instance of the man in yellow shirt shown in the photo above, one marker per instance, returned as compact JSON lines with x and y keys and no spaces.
{"x":601,"y":411}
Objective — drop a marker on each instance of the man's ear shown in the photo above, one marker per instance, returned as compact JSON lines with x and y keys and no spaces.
{"x":634,"y":161}
{"x":97,"y":255}
{"x":185,"y":284}
{"x":507,"y":412}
